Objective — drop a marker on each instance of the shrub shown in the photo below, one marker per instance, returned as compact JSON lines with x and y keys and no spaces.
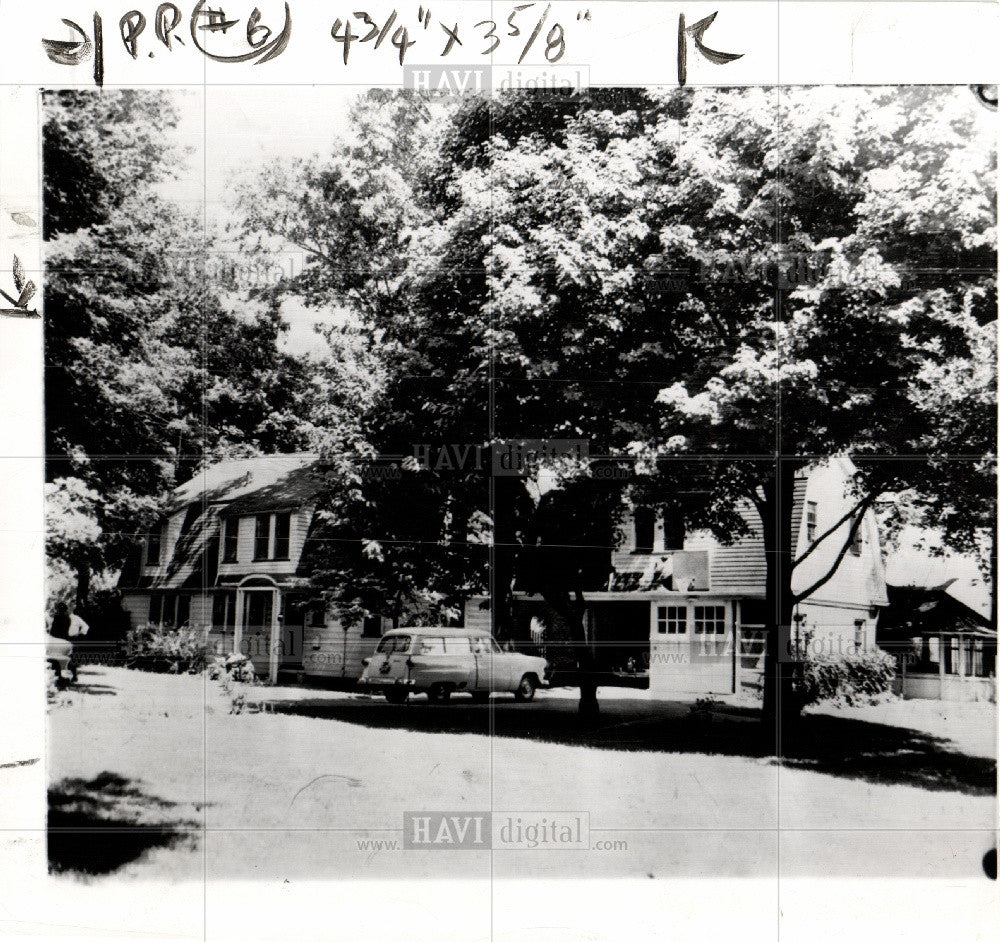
{"x":852,"y":679}
{"x":163,"y":650}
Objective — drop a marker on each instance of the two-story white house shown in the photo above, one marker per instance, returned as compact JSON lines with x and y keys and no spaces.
{"x":683,"y":613}
{"x":227,"y":559}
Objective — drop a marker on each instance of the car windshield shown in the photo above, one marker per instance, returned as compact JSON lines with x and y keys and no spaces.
{"x":393,"y":643}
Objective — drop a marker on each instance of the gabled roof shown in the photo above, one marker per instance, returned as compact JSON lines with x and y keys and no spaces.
{"x":265,"y":483}
{"x":915,"y":610}
{"x":269,"y":482}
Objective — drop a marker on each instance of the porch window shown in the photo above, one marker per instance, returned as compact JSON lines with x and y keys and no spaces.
{"x":182,"y":615}
{"x":810,"y":521}
{"x":645,"y":524}
{"x":155,"y":608}
{"x":224,"y":610}
{"x":710,"y":619}
{"x":153,"y":547}
{"x":710,"y":630}
{"x":230,"y":539}
{"x":671,"y":619}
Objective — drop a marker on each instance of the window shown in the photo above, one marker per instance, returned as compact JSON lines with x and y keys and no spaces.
{"x":224,"y":610}
{"x":262,"y":536}
{"x":230,"y":539}
{"x":671,"y":619}
{"x":810,"y":521}
{"x":485,"y":646}
{"x":155,"y":608}
{"x":644,"y":525}
{"x":710,"y":630}
{"x":271,"y":536}
{"x":282,"y":528}
{"x":457,"y":646}
{"x":371,"y":626}
{"x":673,"y":529}
{"x":859,"y":635}
{"x":857,"y":540}
{"x":153,"y":548}
{"x":394,"y":644}
{"x":183,"y":615}
{"x":431,"y":645}
{"x":709,"y":619}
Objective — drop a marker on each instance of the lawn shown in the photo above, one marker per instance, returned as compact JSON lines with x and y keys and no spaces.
{"x":152,"y":776}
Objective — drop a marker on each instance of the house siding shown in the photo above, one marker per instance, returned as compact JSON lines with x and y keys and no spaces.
{"x":476,"y":617}
{"x":137,"y":606}
{"x":246,"y":565}
{"x":331,"y":650}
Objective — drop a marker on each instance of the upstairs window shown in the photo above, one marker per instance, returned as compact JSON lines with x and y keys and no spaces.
{"x":857,"y":540}
{"x":644,"y":521}
{"x":282,"y":529}
{"x":230,"y":539}
{"x":153,"y":548}
{"x":673,"y":529}
{"x":272,"y":536}
{"x":810,"y":521}
{"x":262,"y":536}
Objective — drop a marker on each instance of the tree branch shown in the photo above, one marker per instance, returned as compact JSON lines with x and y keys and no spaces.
{"x":859,"y":507}
{"x":823,"y":580}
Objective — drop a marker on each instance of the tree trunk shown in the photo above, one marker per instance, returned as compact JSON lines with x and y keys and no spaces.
{"x":82,"y":585}
{"x":571,"y":609}
{"x":993,"y":578}
{"x":780,"y":709}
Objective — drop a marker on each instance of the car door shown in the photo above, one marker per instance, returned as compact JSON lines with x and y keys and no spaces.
{"x":496,"y":666}
{"x":482,"y":656}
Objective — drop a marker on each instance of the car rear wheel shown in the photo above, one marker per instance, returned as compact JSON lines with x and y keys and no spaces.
{"x":439,"y":693}
{"x":396,"y":694}
{"x":525,"y":689}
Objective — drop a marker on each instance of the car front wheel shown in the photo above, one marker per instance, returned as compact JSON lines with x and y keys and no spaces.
{"x":439,"y":693}
{"x":525,"y":689}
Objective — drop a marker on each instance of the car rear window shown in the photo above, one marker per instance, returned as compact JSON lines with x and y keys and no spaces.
{"x":457,"y":646}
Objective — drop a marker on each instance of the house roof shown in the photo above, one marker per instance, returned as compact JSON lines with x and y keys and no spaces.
{"x":238,"y":487}
{"x":248,"y":484}
{"x":915,"y":610}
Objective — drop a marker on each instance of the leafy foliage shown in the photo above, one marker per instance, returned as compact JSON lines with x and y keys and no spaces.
{"x":162,"y":650}
{"x":850,"y":679}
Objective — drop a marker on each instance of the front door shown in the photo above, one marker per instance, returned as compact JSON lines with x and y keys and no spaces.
{"x":258,"y":616}
{"x":691,"y":647}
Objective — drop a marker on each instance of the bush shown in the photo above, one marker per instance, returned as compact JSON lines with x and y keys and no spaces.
{"x":852,"y":679}
{"x":165,"y":650}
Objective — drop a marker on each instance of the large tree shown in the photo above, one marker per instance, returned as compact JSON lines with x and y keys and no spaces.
{"x":713,"y":289}
{"x":153,"y":367}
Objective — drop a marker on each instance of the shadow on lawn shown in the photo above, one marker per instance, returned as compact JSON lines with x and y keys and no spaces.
{"x":97,"y":826}
{"x":833,"y":745}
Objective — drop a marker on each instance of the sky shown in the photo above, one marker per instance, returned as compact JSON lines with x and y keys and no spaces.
{"x":232,"y":132}
{"x":235,"y":130}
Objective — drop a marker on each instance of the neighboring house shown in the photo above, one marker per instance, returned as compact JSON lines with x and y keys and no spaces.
{"x":946,"y":650}
{"x":227,"y":559}
{"x":683,"y":613}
